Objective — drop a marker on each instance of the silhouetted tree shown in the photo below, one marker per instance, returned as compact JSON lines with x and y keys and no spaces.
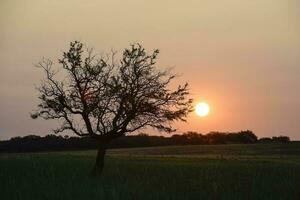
{"x":33,"y":143}
{"x":194,"y":137}
{"x":275,"y":139}
{"x":247,"y":136}
{"x":281,"y":139}
{"x":104,"y":99}
{"x":216,"y":137}
{"x":265,"y":140}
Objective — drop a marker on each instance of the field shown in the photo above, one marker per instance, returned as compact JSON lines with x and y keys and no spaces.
{"x":257,"y":171}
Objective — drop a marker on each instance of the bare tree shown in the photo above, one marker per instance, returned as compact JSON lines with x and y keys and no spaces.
{"x":104,"y":99}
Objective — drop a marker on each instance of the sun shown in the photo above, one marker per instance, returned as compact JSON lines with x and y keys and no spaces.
{"x":202,"y":109}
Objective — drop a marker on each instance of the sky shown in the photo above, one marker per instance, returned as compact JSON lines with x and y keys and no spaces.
{"x":240,"y":56}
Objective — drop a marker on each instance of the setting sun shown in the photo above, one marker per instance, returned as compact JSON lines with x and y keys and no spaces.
{"x":202,"y":109}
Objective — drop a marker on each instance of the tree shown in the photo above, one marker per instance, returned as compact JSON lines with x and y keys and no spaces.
{"x":104,"y":99}
{"x":281,"y":139}
{"x":247,"y":137}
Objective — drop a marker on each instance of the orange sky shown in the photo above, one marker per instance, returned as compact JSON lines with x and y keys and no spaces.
{"x":240,"y":56}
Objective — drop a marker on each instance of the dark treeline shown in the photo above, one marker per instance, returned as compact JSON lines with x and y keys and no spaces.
{"x":33,"y":143}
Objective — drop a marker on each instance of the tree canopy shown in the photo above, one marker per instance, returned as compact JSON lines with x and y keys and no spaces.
{"x":105,"y":98}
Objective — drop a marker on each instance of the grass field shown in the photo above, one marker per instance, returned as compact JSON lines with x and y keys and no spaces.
{"x":178,"y":172}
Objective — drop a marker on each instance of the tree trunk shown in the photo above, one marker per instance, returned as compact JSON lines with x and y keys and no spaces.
{"x":98,"y":167}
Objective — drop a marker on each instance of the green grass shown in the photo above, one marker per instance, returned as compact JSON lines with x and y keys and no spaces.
{"x":183,"y":172}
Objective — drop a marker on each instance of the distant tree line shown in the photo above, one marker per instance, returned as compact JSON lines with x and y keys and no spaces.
{"x":34,"y":143}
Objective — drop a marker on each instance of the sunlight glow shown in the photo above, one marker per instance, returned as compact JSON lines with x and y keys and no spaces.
{"x":202,"y":109}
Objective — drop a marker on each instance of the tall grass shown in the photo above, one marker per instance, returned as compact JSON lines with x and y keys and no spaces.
{"x":65,"y":176}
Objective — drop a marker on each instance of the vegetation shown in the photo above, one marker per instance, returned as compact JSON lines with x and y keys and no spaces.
{"x":235,"y":171}
{"x":105,"y":99}
{"x":283,"y":139}
{"x":33,"y":143}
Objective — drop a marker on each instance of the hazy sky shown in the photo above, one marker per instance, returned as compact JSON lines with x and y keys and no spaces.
{"x":240,"y":56}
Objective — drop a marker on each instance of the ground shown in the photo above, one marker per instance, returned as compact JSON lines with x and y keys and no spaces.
{"x":260,"y":171}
